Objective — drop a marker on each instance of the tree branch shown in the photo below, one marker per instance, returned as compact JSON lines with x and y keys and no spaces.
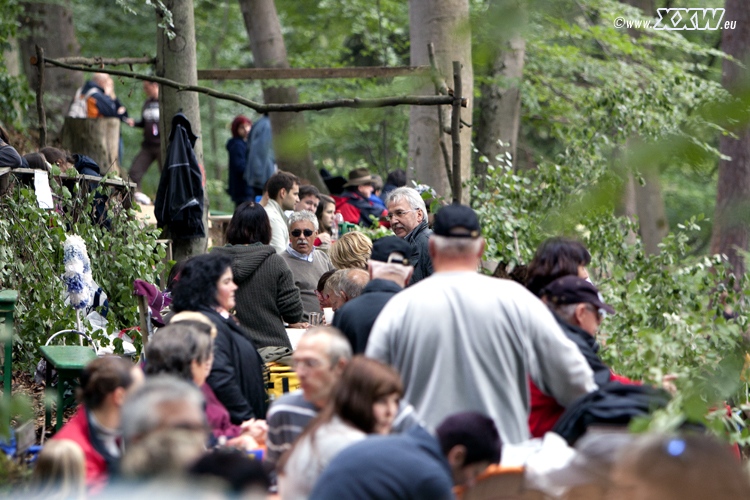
{"x":105,"y":61}
{"x":356,"y":102}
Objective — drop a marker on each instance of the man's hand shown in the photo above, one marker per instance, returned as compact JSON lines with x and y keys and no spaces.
{"x":129,"y":121}
{"x":303,"y":325}
{"x":243,"y":442}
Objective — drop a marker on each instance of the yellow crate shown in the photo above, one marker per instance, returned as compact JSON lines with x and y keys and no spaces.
{"x":281,"y":380}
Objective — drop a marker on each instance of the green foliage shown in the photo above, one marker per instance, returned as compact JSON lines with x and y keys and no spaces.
{"x":31,"y":260}
{"x":15,"y":96}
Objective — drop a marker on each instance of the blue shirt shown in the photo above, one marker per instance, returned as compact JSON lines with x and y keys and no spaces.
{"x":408,"y":466}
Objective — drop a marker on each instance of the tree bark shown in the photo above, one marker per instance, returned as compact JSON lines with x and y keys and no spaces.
{"x":500,"y":108}
{"x":288,"y":129}
{"x":649,"y":201}
{"x":445,"y":24}
{"x":97,"y":138}
{"x":51,"y":27}
{"x":176,"y":60}
{"x":730,"y":228}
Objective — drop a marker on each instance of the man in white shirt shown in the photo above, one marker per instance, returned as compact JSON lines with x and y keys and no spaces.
{"x":283,"y":194}
{"x":467,"y":342}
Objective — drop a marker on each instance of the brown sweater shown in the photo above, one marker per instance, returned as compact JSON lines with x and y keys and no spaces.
{"x":306,"y":277}
{"x":266,"y":296}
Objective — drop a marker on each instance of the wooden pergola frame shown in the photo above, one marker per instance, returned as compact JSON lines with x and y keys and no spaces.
{"x":444,"y":96}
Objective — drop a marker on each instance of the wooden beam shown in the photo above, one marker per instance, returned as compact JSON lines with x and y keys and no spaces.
{"x":311,"y":73}
{"x":456,"y":132}
{"x":356,"y":102}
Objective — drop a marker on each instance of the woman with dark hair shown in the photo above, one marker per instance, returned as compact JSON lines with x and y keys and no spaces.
{"x":58,"y":157}
{"x":267,"y":295}
{"x":238,"y":187}
{"x":9,"y":157}
{"x":325,"y":213}
{"x":555,"y":258}
{"x":206,"y":285}
{"x":364,"y":401}
{"x":96,"y":425}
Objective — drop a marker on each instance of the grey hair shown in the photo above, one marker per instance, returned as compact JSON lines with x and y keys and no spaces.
{"x":456,"y":246}
{"x":351,"y":286}
{"x":339,"y":346}
{"x":303,"y":215}
{"x":334,"y":282}
{"x":139,"y":415}
{"x":566,"y":311}
{"x":411,"y":196}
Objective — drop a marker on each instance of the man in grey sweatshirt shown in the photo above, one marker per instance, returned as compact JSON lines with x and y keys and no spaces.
{"x":467,"y":342}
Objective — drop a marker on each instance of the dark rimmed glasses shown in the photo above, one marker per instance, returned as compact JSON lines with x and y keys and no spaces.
{"x":307,"y":232}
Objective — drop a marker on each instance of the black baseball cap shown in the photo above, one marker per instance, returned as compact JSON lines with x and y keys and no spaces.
{"x":382,"y":248}
{"x":574,"y":290}
{"x":457,"y":221}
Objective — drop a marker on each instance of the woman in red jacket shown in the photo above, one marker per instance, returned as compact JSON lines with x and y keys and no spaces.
{"x":96,"y":425}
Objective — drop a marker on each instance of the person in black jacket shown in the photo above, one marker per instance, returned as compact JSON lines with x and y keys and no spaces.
{"x":408,"y":216}
{"x":9,"y":157}
{"x":179,"y":200}
{"x":206,"y":285}
{"x":390,"y":271}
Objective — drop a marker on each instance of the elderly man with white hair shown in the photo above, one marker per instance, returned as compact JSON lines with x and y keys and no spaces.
{"x":408,"y":216}
{"x":306,"y":262}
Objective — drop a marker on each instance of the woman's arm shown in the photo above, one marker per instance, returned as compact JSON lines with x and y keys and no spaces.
{"x":288,"y":299}
{"x":223,"y":381}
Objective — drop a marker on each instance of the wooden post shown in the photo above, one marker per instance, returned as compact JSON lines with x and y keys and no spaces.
{"x":440,"y":89}
{"x":456,"y":132}
{"x":40,"y":98}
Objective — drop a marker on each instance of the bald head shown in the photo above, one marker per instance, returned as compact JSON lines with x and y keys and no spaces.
{"x":350,"y":287}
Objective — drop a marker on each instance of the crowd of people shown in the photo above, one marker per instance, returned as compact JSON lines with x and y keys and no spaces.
{"x":418,"y":375}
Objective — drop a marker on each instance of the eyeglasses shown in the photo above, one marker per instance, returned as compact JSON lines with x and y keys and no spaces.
{"x":596,"y":311}
{"x":297,"y":232}
{"x":307,"y":363}
{"x":398,"y":214}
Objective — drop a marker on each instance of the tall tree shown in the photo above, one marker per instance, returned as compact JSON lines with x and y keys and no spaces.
{"x":269,"y":51}
{"x":50,"y":25}
{"x":500,"y":107}
{"x":730,"y":228}
{"x":649,"y":201}
{"x":445,"y":23}
{"x":176,"y":60}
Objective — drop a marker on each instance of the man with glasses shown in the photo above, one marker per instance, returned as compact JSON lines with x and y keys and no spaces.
{"x":306,"y":262}
{"x":320,"y":358}
{"x":390,"y":271}
{"x":578,"y":309}
{"x":408,"y":216}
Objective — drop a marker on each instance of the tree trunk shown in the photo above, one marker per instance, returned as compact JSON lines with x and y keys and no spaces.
{"x":97,"y":138}
{"x":500,"y":108}
{"x":288,"y":129}
{"x":51,"y":27}
{"x":652,"y":217}
{"x":650,"y":206}
{"x":445,"y":24}
{"x":176,"y":60}
{"x":730,"y":229}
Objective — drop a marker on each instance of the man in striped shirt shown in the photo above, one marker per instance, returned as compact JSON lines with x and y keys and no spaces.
{"x":321,"y":355}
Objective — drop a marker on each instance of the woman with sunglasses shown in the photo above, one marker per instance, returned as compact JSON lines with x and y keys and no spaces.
{"x":306,"y":262}
{"x":266,"y":294}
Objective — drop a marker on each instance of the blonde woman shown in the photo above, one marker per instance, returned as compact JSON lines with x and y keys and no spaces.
{"x":351,"y":251}
{"x":60,"y":472}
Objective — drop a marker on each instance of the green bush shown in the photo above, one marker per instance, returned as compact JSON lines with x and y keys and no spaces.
{"x":31,"y":260}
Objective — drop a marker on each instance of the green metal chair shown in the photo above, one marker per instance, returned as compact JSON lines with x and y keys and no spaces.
{"x":68,"y":361}
{"x":8,"y":299}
